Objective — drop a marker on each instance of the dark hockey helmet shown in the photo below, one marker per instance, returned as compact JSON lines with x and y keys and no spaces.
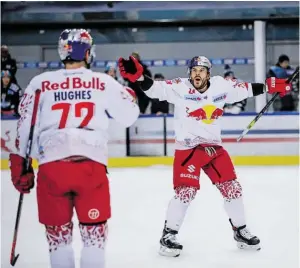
{"x":199,"y":61}
{"x":73,"y":45}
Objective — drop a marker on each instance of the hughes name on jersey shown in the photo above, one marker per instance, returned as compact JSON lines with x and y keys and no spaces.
{"x":197,"y":114}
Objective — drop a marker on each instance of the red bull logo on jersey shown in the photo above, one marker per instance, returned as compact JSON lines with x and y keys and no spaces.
{"x":207,"y":114}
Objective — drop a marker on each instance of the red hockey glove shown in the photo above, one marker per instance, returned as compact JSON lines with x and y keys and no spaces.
{"x":130,"y":69}
{"x":276,"y":85}
{"x":22,"y":180}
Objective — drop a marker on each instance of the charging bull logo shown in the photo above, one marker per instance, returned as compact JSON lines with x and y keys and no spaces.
{"x":4,"y":142}
{"x":207,"y":114}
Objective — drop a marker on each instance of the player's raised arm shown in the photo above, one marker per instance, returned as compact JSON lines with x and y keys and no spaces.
{"x":122,"y":103}
{"x":238,"y":91}
{"x":133,"y":71}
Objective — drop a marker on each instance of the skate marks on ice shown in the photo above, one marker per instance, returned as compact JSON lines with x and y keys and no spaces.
{"x":140,"y":197}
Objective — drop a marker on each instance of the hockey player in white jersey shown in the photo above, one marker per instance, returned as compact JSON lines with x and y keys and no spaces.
{"x":199,"y":101}
{"x":71,"y":137}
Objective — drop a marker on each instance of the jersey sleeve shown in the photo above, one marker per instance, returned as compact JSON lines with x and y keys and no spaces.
{"x":237,"y":90}
{"x":121,"y":105}
{"x":163,"y":90}
{"x":23,"y":126}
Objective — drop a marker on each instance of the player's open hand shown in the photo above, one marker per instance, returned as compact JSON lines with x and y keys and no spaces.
{"x":130,"y":69}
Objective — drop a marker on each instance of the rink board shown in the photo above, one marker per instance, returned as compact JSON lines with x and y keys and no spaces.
{"x":274,"y":140}
{"x":273,"y":135}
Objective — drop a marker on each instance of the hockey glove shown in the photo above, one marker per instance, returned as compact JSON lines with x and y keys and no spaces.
{"x":130,"y":69}
{"x":276,"y":85}
{"x":22,"y":180}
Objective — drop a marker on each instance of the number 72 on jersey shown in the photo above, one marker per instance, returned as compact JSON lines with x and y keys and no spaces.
{"x":78,"y":109}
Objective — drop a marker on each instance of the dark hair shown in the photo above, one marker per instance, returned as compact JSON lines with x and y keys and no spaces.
{"x":283,"y":58}
{"x":159,"y":76}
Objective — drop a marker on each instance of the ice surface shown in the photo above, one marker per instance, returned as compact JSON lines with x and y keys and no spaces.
{"x":139,"y":199}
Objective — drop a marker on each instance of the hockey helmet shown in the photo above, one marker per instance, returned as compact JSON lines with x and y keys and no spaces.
{"x":73,"y":45}
{"x":199,"y":61}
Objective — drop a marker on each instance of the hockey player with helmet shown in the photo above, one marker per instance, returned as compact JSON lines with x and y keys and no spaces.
{"x":71,"y":136}
{"x":199,"y":101}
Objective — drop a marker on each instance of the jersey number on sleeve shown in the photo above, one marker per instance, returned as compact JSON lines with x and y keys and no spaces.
{"x":65,"y":107}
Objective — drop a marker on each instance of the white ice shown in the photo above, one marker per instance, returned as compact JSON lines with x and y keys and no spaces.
{"x":139,"y":199}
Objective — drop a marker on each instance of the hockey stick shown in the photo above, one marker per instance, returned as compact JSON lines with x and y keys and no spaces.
{"x":253,"y":122}
{"x":13,"y":257}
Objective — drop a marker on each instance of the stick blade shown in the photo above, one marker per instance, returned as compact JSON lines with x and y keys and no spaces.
{"x":14,"y":260}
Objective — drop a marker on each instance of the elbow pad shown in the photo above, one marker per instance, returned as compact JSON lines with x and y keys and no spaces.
{"x":258,"y":89}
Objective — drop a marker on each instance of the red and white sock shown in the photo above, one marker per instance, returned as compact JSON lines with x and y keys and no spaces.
{"x":60,"y":248}
{"x":178,"y":206}
{"x":94,"y":240}
{"x":233,"y":201}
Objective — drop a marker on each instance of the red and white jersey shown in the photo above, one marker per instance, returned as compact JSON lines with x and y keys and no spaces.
{"x":196,"y":115}
{"x":72,"y":118}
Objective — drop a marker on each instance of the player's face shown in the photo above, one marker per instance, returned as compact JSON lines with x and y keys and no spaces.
{"x":284,"y":64}
{"x":199,"y":76}
{"x":5,"y":80}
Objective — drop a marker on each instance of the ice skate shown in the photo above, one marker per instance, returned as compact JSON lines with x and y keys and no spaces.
{"x":244,"y":239}
{"x":169,"y":245}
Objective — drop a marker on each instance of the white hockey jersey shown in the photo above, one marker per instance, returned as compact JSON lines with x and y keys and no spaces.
{"x":72,"y":118}
{"x":196,"y":115}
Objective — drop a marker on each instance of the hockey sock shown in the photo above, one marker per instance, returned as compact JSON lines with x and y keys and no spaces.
{"x":94,"y":239}
{"x":233,"y":201}
{"x":178,"y":206}
{"x":60,"y":248}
